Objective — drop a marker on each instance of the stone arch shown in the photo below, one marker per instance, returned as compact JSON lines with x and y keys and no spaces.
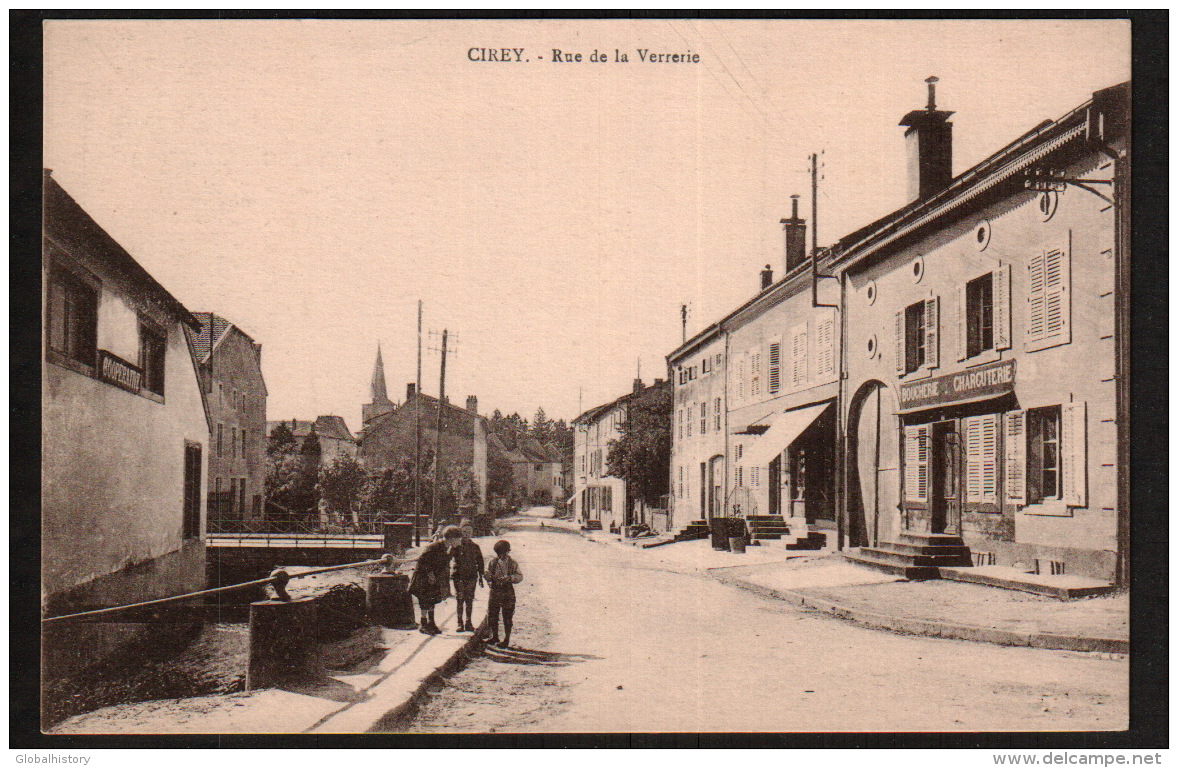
{"x":872,"y":462}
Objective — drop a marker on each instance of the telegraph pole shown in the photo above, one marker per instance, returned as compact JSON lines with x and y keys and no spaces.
{"x":433,"y":516}
{"x":417,"y":440}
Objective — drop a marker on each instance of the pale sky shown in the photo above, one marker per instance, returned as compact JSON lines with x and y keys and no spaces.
{"x":311,"y":180}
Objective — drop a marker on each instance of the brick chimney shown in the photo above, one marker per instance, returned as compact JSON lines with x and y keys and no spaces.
{"x":410,"y":391}
{"x":472,"y":404}
{"x":930,"y":148}
{"x":638,"y":385}
{"x":795,"y":238}
{"x":766,"y":277}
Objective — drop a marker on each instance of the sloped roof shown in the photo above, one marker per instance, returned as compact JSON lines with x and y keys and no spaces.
{"x":592,"y":414}
{"x":212,"y":329}
{"x":298,"y":428}
{"x":333,"y":427}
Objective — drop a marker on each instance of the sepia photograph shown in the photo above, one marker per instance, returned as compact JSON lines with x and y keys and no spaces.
{"x":553,"y":376}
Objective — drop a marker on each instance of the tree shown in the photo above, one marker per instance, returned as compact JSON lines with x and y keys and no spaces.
{"x":642,"y":453}
{"x":290,"y":483}
{"x":562,"y":438}
{"x":282,"y":440}
{"x":541,"y":426}
{"x":341,"y":484}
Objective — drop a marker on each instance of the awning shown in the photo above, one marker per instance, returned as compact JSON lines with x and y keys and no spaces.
{"x":786,"y":428}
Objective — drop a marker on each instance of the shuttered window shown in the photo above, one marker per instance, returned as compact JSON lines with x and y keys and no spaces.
{"x":740,"y":378}
{"x":981,"y":459}
{"x":739,"y":477}
{"x":755,"y":477}
{"x":1014,"y":445}
{"x":774,"y":367}
{"x":918,"y":336}
{"x":717,"y":414}
{"x":797,"y":351}
{"x":1049,"y":319}
{"x":755,"y":375}
{"x":1043,"y":454}
{"x":689,"y":417}
{"x":824,"y":349}
{"x":703,"y":418}
{"x":916,"y":463}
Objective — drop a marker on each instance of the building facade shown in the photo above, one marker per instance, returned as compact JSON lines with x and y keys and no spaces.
{"x":458,"y":436}
{"x":599,"y":498}
{"x":230,"y":367}
{"x":699,"y":475}
{"x":984,"y":373}
{"x":124,"y":432}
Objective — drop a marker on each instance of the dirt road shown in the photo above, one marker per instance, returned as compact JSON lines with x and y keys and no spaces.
{"x":607,"y":639}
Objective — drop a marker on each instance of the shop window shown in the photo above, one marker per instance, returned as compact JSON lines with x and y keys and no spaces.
{"x":916,"y":337}
{"x":72,"y":317}
{"x":1043,"y":454}
{"x":1049,"y":320}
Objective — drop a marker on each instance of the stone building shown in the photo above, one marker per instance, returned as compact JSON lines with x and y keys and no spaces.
{"x":229,"y":362}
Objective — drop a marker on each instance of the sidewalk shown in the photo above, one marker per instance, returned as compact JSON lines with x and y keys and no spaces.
{"x":372,"y":679}
{"x":940,"y":608}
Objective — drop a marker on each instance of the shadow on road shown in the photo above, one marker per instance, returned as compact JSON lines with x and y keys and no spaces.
{"x":530,"y":657}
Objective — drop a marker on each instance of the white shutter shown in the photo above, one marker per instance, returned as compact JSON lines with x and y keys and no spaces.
{"x":755,"y":383}
{"x":1035,"y":299}
{"x":916,"y":453}
{"x":932,"y":341}
{"x":1074,"y":454}
{"x":962,"y":331}
{"x":1057,"y":304}
{"x":1002,"y":335}
{"x":740,"y":378}
{"x":1015,"y":447}
{"x":900,"y":342}
{"x":981,"y":459}
{"x":798,"y":357}
{"x":824,"y":348}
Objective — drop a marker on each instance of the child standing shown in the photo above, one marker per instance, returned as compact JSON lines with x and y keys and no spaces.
{"x":431,"y":577}
{"x":503,"y":573}
{"x":468,"y":571}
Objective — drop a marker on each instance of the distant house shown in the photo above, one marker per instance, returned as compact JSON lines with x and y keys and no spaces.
{"x":537,"y":471}
{"x":230,"y":368}
{"x":124,"y":431}
{"x":331,"y":433}
{"x":459,"y":435}
{"x":599,"y":497}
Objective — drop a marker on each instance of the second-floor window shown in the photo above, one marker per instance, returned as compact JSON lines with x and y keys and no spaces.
{"x":916,"y":337}
{"x":72,"y":317}
{"x":703,"y":418}
{"x":153,"y":344}
{"x":979,"y":315}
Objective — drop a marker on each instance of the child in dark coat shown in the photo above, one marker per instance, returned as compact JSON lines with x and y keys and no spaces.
{"x":431,"y":577}
{"x":468,"y":571}
{"x":503,"y":573}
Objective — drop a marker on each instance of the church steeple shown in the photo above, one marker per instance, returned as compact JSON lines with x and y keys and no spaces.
{"x":380,"y":404}
{"x":380,"y":393}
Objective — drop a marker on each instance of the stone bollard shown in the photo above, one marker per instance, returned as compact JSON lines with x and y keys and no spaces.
{"x":388,"y":601}
{"x":283,"y":645}
{"x":398,"y":537}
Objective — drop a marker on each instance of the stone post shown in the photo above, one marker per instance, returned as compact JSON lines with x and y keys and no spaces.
{"x":388,"y":601}
{"x":283,"y":646}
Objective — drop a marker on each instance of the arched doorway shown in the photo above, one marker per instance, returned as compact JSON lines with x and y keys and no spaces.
{"x":873,"y":464}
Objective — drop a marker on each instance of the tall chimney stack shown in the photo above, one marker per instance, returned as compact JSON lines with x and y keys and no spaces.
{"x":766,"y":277}
{"x":930,"y":147}
{"x":638,"y":385}
{"x":795,"y":238}
{"x":472,"y":404}
{"x":410,"y":390}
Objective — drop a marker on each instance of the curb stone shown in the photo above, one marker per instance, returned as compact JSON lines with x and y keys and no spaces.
{"x":932,"y":628}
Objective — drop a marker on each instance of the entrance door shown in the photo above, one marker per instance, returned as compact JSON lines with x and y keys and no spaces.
{"x":715,"y":486}
{"x":945,"y":496}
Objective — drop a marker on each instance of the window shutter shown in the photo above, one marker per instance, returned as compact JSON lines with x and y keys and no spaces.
{"x":774,"y":367}
{"x":1002,"y":335}
{"x":916,"y":463}
{"x":824,"y":349}
{"x":1015,"y":447}
{"x":962,"y":332}
{"x":1056,"y":302}
{"x":932,"y":342}
{"x":1035,"y":299}
{"x":798,"y":343}
{"x":740,"y":379}
{"x":981,"y":459}
{"x":1074,"y":454}
{"x":900,"y":342}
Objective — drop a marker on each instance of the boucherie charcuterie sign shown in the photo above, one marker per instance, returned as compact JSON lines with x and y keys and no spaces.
{"x":975,"y":384}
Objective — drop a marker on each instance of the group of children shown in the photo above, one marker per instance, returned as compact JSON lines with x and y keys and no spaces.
{"x":432,"y":577}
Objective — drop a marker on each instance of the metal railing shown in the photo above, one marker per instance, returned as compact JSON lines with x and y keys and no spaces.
{"x":278,"y":579}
